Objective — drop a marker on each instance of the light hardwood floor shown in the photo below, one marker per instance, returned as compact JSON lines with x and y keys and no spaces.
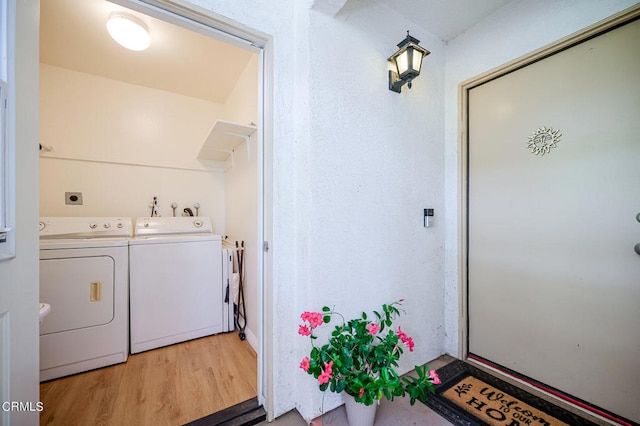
{"x":166,"y":386}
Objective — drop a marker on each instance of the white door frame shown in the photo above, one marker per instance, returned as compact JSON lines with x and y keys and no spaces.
{"x":195,"y":18}
{"x":463,"y":95}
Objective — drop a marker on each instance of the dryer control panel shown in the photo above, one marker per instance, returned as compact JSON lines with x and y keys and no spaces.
{"x":85,"y":227}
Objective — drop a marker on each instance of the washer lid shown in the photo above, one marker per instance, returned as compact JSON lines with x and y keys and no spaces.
{"x":146,"y":226}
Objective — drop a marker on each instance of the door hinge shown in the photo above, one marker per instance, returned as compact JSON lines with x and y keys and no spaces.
{"x":265,"y":246}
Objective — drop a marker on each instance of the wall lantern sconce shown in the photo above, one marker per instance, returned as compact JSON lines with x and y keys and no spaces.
{"x":406,"y":63}
{"x":128,"y":31}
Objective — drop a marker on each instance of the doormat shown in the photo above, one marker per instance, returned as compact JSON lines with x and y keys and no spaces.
{"x":470,"y":396}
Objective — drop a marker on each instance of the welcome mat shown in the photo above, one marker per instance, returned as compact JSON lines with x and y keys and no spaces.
{"x":470,"y":396}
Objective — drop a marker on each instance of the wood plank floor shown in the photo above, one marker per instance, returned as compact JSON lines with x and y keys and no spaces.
{"x":166,"y":386}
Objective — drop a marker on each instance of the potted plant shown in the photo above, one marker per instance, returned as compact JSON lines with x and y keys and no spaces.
{"x":361,"y":357}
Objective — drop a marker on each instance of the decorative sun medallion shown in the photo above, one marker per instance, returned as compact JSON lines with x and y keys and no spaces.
{"x":543,"y":139}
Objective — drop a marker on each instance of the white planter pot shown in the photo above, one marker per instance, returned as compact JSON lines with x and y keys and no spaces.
{"x":359,"y":414}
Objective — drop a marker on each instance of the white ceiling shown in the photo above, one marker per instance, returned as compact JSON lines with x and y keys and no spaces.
{"x":73,"y":35}
{"x":446,"y":19}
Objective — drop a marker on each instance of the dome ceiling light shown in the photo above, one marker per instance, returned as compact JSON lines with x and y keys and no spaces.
{"x":128,"y":31}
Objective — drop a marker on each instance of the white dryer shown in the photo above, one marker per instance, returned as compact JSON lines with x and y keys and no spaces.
{"x":84,"y":278}
{"x":176,"y":284}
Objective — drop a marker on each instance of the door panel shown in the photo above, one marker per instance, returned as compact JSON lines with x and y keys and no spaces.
{"x":553,"y":278}
{"x":80,"y":290}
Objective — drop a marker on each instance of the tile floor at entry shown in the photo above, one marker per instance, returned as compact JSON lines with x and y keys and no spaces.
{"x":396,"y":413}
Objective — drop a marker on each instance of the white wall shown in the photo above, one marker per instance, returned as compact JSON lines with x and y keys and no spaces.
{"x":124,"y":145}
{"x":89,"y":117}
{"x":515,"y":30}
{"x":242,"y":104}
{"x":375,"y":162}
{"x":126,"y":191}
{"x":241,"y":192}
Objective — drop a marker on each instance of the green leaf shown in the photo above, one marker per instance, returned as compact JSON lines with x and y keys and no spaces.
{"x":385,"y":373}
{"x":387,"y":394}
{"x":326,"y":309}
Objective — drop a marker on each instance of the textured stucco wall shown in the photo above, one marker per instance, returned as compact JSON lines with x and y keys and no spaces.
{"x":515,"y":30}
{"x":374,"y":162}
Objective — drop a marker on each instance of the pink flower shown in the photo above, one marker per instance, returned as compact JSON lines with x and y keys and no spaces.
{"x":408,"y":341}
{"x":373,"y":328}
{"x":305,"y":363}
{"x":361,"y":392}
{"x":434,"y":377}
{"x":400,"y":333}
{"x":325,"y":376}
{"x":303,"y":330}
{"x":314,"y":318}
{"x":328,"y":366}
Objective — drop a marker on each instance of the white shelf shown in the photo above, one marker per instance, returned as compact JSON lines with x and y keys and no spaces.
{"x":223,"y":139}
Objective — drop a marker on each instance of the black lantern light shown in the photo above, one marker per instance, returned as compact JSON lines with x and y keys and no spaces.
{"x":406,"y":63}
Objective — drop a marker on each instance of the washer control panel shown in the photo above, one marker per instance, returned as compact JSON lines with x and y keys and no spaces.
{"x":173,"y":225}
{"x":85,"y":227}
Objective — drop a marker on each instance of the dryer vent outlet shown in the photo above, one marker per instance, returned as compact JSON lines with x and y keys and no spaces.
{"x":73,"y":198}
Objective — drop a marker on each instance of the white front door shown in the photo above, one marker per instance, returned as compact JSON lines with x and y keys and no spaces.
{"x":553,"y":218}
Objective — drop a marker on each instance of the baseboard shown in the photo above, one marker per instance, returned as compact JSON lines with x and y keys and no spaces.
{"x":252,"y":339}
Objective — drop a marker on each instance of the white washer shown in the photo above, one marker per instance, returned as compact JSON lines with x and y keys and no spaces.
{"x":84,"y":277}
{"x":176,"y":286}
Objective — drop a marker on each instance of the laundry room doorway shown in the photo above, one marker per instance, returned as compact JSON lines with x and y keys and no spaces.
{"x":178,"y":129}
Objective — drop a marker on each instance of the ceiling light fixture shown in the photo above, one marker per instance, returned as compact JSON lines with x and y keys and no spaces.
{"x":406,"y":63}
{"x":128,"y":31}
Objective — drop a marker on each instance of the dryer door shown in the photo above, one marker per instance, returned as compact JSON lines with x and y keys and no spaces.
{"x":79,"y":290}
